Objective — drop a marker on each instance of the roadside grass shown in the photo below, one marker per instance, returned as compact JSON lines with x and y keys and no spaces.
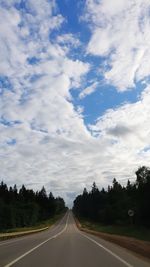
{"x":140,"y":233}
{"x":42,"y":224}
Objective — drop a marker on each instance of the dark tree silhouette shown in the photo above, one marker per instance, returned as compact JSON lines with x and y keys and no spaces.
{"x":112,"y":206}
{"x":26,"y":207}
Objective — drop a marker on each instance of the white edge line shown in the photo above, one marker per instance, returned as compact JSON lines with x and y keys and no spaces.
{"x":27,"y":236}
{"x":31,"y":250}
{"x":108,"y":250}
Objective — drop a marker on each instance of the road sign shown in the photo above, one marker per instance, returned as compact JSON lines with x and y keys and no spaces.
{"x":131,"y":213}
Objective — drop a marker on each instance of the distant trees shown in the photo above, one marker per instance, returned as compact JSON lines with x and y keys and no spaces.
{"x":26,"y":207}
{"x":111,"y":206}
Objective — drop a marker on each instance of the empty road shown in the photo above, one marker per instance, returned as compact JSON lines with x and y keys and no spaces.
{"x":64,"y":245}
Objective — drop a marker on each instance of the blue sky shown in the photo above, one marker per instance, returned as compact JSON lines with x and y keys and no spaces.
{"x":74,"y":92}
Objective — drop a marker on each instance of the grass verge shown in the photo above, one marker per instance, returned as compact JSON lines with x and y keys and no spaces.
{"x":140,"y":233}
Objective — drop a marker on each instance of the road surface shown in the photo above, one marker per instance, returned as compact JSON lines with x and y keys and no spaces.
{"x":64,"y":245}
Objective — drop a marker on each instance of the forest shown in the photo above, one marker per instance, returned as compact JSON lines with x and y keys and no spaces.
{"x":116,"y":204}
{"x":24,"y":207}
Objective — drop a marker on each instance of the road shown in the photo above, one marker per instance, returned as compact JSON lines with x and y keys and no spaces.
{"x":63,"y":245}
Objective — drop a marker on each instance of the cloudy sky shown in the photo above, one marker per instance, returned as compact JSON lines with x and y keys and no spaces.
{"x":74,"y":92}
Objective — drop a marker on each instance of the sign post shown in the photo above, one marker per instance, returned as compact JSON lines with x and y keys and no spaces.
{"x":131,"y":214}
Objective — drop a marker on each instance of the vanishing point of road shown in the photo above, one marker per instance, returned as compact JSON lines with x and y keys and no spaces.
{"x":63,"y":245}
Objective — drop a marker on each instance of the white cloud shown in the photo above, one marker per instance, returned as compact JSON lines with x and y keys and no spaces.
{"x":53,"y":146}
{"x":120,"y":31}
{"x":126,"y":129}
{"x":39,"y":147}
{"x":69,"y":39}
{"x":88,"y":90}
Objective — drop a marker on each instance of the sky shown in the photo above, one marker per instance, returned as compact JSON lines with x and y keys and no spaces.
{"x":74,"y":93}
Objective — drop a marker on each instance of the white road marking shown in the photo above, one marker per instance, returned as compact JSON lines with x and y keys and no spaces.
{"x":106,"y":249}
{"x":98,"y":244}
{"x":27,"y":236}
{"x":31,"y":250}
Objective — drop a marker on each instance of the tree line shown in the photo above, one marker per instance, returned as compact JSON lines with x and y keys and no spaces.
{"x":24,"y":207}
{"x":114,"y":205}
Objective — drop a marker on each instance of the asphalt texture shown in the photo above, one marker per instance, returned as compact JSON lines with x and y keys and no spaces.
{"x":63,"y":245}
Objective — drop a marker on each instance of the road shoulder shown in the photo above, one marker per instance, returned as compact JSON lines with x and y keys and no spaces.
{"x":141,"y":248}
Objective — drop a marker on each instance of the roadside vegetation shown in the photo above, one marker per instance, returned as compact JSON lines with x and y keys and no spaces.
{"x":141,"y":233}
{"x":25,"y":209}
{"x":122,"y":210}
{"x":39,"y":225}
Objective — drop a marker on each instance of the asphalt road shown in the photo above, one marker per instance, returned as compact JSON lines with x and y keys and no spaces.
{"x":64,"y":245}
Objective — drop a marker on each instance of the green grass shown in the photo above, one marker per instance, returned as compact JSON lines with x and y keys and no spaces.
{"x":39,"y":225}
{"x":130,"y":231}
